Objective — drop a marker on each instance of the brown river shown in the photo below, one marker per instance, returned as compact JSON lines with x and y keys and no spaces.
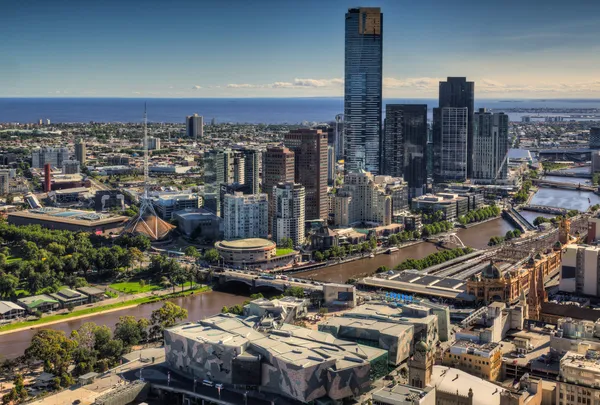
{"x":203,"y":305}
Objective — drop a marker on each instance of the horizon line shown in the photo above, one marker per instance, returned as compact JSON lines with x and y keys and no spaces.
{"x":287,"y":97}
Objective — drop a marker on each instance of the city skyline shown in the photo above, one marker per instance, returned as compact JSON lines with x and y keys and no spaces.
{"x":233,"y":49}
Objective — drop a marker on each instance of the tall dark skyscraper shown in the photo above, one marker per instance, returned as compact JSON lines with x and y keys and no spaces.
{"x":490,"y":147}
{"x":251,"y":171}
{"x":450,"y":144}
{"x":457,"y":92}
{"x":405,"y":145}
{"x":310,"y":158}
{"x":362,"y":89}
{"x":194,"y":126}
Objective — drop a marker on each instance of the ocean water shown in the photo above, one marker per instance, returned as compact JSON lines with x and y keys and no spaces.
{"x":239,"y":110}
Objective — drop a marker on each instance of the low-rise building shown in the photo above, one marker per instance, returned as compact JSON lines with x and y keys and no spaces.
{"x":200,"y":223}
{"x":70,"y":220}
{"x":94,"y":294}
{"x":579,"y":379}
{"x":10,"y":310}
{"x":42,"y":303}
{"x":286,"y":308}
{"x":404,"y":395}
{"x":481,"y":360}
{"x":70,"y":298}
{"x":253,"y":253}
{"x":168,"y":203}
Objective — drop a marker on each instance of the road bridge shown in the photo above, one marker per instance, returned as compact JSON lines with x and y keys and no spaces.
{"x":562,"y":185}
{"x":255,"y":281}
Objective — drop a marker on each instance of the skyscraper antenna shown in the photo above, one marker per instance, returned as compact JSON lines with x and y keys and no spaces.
{"x":145,"y":153}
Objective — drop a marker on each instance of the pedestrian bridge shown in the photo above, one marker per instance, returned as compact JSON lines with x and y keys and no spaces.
{"x":255,"y":281}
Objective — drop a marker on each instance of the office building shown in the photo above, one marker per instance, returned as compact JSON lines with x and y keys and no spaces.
{"x":245,"y":216}
{"x":70,"y":167}
{"x":229,"y":166}
{"x":405,"y":145}
{"x":104,"y":200}
{"x":288,"y":221}
{"x":200,"y":224}
{"x":118,"y":160}
{"x":278,"y":167}
{"x":450,"y":139}
{"x":310,"y":160}
{"x":579,"y":381}
{"x":153,"y":143}
{"x":363,"y":89}
{"x":194,"y":126}
{"x":490,"y":147}
{"x":331,"y":164}
{"x":482,"y":360}
{"x":80,"y":152}
{"x":457,"y":92}
{"x":579,"y":270}
{"x":251,"y":171}
{"x":4,"y":182}
{"x":595,"y":138}
{"x":54,"y":156}
{"x":168,"y":203}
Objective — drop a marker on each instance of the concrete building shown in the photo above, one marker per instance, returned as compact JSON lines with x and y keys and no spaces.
{"x":245,"y":216}
{"x":595,"y":161}
{"x":54,"y":156}
{"x":593,"y":234}
{"x":579,"y":379}
{"x":194,"y":126}
{"x":405,"y":144}
{"x":490,"y":148}
{"x":104,"y":200}
{"x":293,"y":362}
{"x":343,"y":295}
{"x":153,"y":143}
{"x":199,"y":223}
{"x":450,"y":145}
{"x":362,"y":200}
{"x":278,"y":167}
{"x":482,"y":360}
{"x":252,"y":162}
{"x":253,"y":253}
{"x":80,"y":152}
{"x":166,"y":204}
{"x":310,"y":160}
{"x":286,"y":308}
{"x":579,"y":270}
{"x":4,"y":182}
{"x":491,"y":324}
{"x":10,"y":310}
{"x":430,"y":203}
{"x":70,"y":298}
{"x":363,"y":80}
{"x":42,"y":303}
{"x":404,"y":395}
{"x":118,"y":160}
{"x":331,"y":162}
{"x":288,"y":219}
{"x":71,"y":220}
{"x":70,"y":167}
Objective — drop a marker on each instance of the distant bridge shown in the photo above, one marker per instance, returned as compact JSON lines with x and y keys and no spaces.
{"x":562,"y":185}
{"x":545,"y":209}
{"x":255,"y":281}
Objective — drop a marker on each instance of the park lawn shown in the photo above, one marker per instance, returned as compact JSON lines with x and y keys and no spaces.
{"x":134,"y":287}
{"x":283,"y":251}
{"x":88,"y":311}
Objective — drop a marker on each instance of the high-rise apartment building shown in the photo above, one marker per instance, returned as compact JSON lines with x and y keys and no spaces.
{"x":595,"y":138}
{"x":404,"y":151}
{"x":245,"y":216}
{"x":70,"y":167}
{"x":278,"y":167}
{"x":288,"y":221}
{"x":251,"y":171}
{"x":331,"y":164}
{"x":80,"y":152}
{"x":153,"y":143}
{"x":363,"y":76}
{"x":4,"y":182}
{"x":490,"y":147}
{"x":194,"y":126}
{"x":450,"y":139}
{"x":310,"y":159}
{"x":54,"y":156}
{"x":457,"y":92}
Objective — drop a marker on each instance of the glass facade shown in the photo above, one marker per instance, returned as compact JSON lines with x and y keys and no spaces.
{"x":362,"y":89}
{"x":405,"y":145}
{"x":490,"y":147}
{"x":450,"y":144}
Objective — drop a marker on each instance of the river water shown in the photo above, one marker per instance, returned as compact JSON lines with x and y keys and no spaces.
{"x":203,"y":305}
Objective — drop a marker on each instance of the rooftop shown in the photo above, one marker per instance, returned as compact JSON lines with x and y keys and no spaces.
{"x":400,"y":394}
{"x":69,"y":216}
{"x":453,"y":381}
{"x":250,"y":243}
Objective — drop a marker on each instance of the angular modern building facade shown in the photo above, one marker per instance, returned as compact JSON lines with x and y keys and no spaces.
{"x":457,"y":92}
{"x":288,"y":221}
{"x":363,"y":89}
{"x":450,"y":139}
{"x":278,"y":167}
{"x":310,"y":158}
{"x":490,"y":147}
{"x":405,"y":145}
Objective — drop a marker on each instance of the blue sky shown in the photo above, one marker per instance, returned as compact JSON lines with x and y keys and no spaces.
{"x":288,"y":48}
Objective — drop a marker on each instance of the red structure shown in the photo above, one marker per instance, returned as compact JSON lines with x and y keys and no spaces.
{"x":47,"y":177}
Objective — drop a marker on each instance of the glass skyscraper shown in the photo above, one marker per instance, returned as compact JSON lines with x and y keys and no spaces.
{"x":490,"y":147}
{"x":362,"y":89}
{"x":450,"y":144}
{"x":405,"y":145}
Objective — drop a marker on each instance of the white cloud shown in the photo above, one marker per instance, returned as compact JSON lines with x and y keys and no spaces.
{"x":196,"y":87}
{"x":491,"y":86}
{"x":243,"y":86}
{"x":419,"y":83}
{"x":295,"y":84}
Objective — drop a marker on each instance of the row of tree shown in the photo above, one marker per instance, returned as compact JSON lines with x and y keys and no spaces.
{"x":346,"y":250}
{"x":436,"y":227}
{"x":402,"y":237}
{"x":433,"y":259}
{"x":496,"y":240}
{"x":523,"y":193}
{"x":480,"y":214}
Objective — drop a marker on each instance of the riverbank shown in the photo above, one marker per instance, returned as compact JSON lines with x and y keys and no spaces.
{"x":102,"y":309}
{"x":467,"y":226}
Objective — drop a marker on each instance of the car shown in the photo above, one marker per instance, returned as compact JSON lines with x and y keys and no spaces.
{"x":521,"y":356}
{"x":208,"y":383}
{"x":77,"y":402}
{"x":219,"y":386}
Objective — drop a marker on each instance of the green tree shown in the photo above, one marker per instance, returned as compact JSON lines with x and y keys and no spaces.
{"x":212,"y":256}
{"x":294,"y":292}
{"x":8,"y":285}
{"x":192,"y":252}
{"x":53,"y":348}
{"x":286,"y":243}
{"x":165,"y":317}
{"x":319,"y":256}
{"x":131,"y":331}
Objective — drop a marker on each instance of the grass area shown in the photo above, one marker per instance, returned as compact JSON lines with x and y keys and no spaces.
{"x":88,"y":311}
{"x":283,"y":251}
{"x":134,"y":287}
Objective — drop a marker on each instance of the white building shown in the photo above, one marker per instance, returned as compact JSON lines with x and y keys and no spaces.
{"x":579,"y":381}
{"x":288,"y":219}
{"x":54,"y":156}
{"x":245,"y":216}
{"x":153,"y":143}
{"x":4,"y":182}
{"x":166,"y":204}
{"x":579,"y":270}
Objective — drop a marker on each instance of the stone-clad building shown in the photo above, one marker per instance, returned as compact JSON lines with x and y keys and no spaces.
{"x":294,"y":362}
